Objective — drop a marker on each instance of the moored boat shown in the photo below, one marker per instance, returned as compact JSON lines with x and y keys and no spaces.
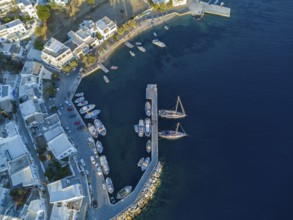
{"x":104,"y":164}
{"x":140,"y":162}
{"x":141,"y":48}
{"x":79,"y":94}
{"x":149,"y":146}
{"x":145,"y":164}
{"x":171,"y":134}
{"x":173,"y":114}
{"x":114,"y":67}
{"x":138,"y":43}
{"x":106,"y":79}
{"x":129,"y":45}
{"x":100,"y":127}
{"x":124,"y":192}
{"x":136,"y":128}
{"x":140,"y":128}
{"x":158,"y":43}
{"x":148,"y":108}
{"x":93,"y":131}
{"x":147,"y":129}
{"x":80,"y":99}
{"x":99,"y":146}
{"x":155,"y":34}
{"x":87,"y":108}
{"x":109,"y":185}
{"x":92,"y":114}
{"x":132,"y":53}
{"x":166,"y":27}
{"x":82,"y":103}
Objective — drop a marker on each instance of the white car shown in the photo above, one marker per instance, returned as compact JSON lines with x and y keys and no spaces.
{"x":67,"y":102}
{"x":82,"y":162}
{"x":93,"y":160}
{"x":99,"y":170}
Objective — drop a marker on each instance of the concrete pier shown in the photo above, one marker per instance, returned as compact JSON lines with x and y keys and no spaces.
{"x":199,"y":8}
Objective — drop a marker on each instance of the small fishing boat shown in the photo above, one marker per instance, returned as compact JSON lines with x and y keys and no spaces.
{"x":158,"y":43}
{"x":114,"y":67}
{"x":147,"y":129}
{"x":166,"y":27}
{"x":138,"y":43}
{"x":148,"y":108}
{"x":149,"y":146}
{"x":136,"y":128}
{"x":132,"y":53}
{"x":80,"y":99}
{"x":92,"y":114}
{"x":100,"y":127}
{"x":106,"y":79}
{"x":79,"y":94}
{"x":82,"y":103}
{"x":140,"y":162}
{"x":129,"y":45}
{"x":93,"y":131}
{"x":124,"y":192}
{"x":141,"y":48}
{"x":104,"y":164}
{"x":145,"y":164}
{"x":87,"y":108}
{"x":140,"y":128}
{"x":155,"y":34}
{"x":109,"y":185}
{"x":99,"y":147}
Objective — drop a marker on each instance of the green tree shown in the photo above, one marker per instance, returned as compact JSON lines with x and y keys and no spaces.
{"x":39,"y":44}
{"x":73,"y":64}
{"x":55,"y":76}
{"x":120,"y":31}
{"x":6,"y":20}
{"x":43,"y":12}
{"x":99,"y":36}
{"x":91,"y":2}
{"x":43,"y":158}
{"x":51,"y":91}
{"x":66,"y":69}
{"x":89,"y":59}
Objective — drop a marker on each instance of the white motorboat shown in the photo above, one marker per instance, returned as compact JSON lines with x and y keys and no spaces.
{"x":93,"y":131}
{"x":79,"y":94}
{"x":92,"y":114}
{"x":147,"y":130}
{"x":148,"y":108}
{"x":132,"y":53}
{"x":100,"y":127}
{"x":99,"y":146}
{"x":82,"y":103}
{"x":109,"y":185}
{"x":140,"y":128}
{"x":158,"y":43}
{"x":87,"y":108}
{"x":80,"y":99}
{"x":106,"y":79}
{"x":141,"y":48}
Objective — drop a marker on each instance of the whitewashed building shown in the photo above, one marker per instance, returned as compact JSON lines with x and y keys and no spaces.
{"x":106,"y":27}
{"x":56,"y":54}
{"x":12,"y":31}
{"x":6,"y":6}
{"x":13,"y":50}
{"x":61,"y":2}
{"x":26,"y":7}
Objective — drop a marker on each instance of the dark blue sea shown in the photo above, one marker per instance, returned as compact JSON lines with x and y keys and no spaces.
{"x":235,"y":79}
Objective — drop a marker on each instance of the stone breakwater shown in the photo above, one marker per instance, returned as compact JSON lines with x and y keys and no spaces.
{"x":144,"y":197}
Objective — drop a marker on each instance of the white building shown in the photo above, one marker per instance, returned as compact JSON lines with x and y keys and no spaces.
{"x":61,"y":2}
{"x":26,"y":7}
{"x":89,"y":26}
{"x":63,"y":213}
{"x":176,"y":3}
{"x":61,"y":192}
{"x":35,"y":211}
{"x":160,"y":1}
{"x":22,"y":172}
{"x":58,"y":142}
{"x":13,"y":50}
{"x":12,"y":31}
{"x":106,"y":27}
{"x":6,"y":6}
{"x":56,"y":54}
{"x":6,"y":93}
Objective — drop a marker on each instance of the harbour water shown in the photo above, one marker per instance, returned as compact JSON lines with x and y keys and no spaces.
{"x":234,"y":77}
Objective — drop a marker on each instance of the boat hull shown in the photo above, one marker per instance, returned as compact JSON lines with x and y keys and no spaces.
{"x":124,"y":192}
{"x":171,"y":135}
{"x":171,"y":114}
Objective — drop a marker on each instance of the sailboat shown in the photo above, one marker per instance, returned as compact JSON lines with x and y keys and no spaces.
{"x":173,"y":135}
{"x":173,"y":114}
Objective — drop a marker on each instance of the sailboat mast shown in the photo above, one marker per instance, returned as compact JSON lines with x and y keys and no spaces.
{"x":179,"y":100}
{"x":177,"y":127}
{"x":177,"y":104}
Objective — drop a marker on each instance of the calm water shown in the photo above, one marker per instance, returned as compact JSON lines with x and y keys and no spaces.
{"x":235,"y":79}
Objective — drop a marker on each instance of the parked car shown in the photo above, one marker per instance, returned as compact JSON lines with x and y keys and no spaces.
{"x":82,"y":162}
{"x":93,"y":160}
{"x":94,"y":203}
{"x":68,"y":103}
{"x":99,"y":170}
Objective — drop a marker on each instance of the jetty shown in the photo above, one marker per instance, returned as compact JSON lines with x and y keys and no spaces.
{"x":109,"y":211}
{"x":103,"y":68}
{"x":199,"y":8}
